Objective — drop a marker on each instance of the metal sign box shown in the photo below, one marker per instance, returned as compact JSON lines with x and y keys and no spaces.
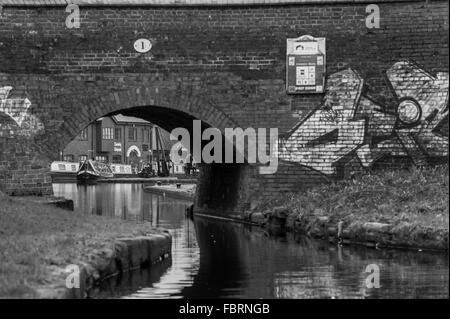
{"x":305,"y":65}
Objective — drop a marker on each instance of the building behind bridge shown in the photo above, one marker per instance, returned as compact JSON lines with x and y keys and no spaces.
{"x":119,"y":139}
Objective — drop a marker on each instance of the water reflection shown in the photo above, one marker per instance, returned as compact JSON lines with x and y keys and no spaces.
{"x":125,"y":201}
{"x":239,"y":262}
{"x":122,"y":285}
{"x":213,"y":259}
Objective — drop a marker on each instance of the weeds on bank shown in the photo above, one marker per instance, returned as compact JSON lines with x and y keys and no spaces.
{"x":417,"y":195}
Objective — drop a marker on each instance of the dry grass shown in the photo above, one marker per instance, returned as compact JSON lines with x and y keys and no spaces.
{"x":414,"y":196}
{"x":35,"y":237}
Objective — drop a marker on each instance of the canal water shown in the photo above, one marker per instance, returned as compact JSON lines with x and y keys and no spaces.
{"x":212,"y":259}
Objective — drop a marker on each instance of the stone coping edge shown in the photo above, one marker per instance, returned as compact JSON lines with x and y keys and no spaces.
{"x":370,"y":234}
{"x":185,"y":3}
{"x":170,"y":193}
{"x":127,"y":254}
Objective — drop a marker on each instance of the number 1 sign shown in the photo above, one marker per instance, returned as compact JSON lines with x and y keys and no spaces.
{"x":142,"y":45}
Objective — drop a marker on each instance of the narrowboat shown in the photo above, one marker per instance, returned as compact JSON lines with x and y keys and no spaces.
{"x":90,"y":171}
{"x":63,"y":172}
{"x":122,"y":170}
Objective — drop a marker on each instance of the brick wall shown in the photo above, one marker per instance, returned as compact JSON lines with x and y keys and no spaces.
{"x":226,"y":66}
{"x":177,"y":3}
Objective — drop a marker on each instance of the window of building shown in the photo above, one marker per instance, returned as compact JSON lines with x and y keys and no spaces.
{"x":132,"y":134}
{"x":82,"y":158}
{"x":117,"y":159}
{"x":107,"y":133}
{"x":68,"y":158}
{"x":145,"y":147}
{"x":117,"y":134}
{"x":101,"y":158}
{"x":83,"y":135}
{"x":145,"y":135}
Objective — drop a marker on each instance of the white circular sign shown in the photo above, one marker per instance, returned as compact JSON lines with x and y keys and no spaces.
{"x":142,"y":45}
{"x":409,"y":112}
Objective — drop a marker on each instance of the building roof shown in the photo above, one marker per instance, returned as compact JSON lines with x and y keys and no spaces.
{"x":121,"y":119}
{"x":128,"y":3}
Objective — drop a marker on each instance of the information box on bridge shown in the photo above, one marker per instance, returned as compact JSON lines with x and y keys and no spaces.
{"x":305,"y":65}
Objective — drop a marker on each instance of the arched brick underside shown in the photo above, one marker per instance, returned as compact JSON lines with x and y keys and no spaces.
{"x":167,"y":108}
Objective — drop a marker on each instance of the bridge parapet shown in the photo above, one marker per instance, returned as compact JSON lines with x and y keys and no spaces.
{"x":182,"y":3}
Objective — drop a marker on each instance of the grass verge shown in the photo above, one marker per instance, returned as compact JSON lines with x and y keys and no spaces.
{"x":35,"y":239}
{"x":414,"y":202}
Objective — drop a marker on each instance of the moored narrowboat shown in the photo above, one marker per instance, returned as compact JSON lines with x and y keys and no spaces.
{"x":64,"y":172}
{"x":122,"y":170}
{"x":90,"y":171}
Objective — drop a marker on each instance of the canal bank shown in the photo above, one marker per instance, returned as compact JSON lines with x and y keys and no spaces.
{"x":176,"y":191}
{"x":405,"y":209}
{"x":42,"y":246}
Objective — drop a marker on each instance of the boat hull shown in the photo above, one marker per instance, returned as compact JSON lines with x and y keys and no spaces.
{"x":63,"y":177}
{"x":87,"y":178}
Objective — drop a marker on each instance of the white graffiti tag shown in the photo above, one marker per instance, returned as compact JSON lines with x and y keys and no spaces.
{"x":349,"y":126}
{"x":422,"y":106}
{"x":331,"y":132}
{"x":17,"y":109}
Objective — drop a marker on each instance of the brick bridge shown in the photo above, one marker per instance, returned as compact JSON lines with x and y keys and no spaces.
{"x":224,"y":62}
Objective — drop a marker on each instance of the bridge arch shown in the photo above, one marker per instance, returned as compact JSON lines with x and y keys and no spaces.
{"x":168,"y":108}
{"x":165,"y":107}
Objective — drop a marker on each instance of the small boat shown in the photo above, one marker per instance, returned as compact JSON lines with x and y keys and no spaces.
{"x":90,"y":171}
{"x":63,"y":172}
{"x":121,"y":170}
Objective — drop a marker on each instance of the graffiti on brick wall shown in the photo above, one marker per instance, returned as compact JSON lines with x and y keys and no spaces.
{"x":23,"y":123}
{"x":352,"y":128}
